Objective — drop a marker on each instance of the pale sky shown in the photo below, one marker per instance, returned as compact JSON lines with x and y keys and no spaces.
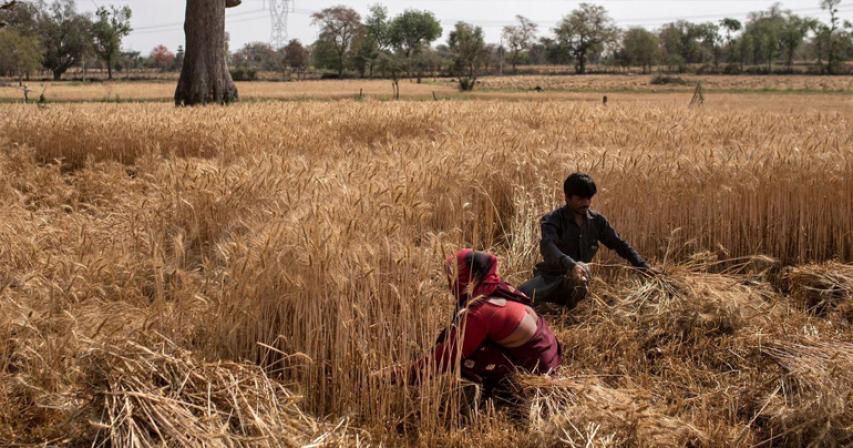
{"x":160,"y":21}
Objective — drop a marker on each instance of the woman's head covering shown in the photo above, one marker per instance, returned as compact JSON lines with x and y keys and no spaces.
{"x":474,"y":274}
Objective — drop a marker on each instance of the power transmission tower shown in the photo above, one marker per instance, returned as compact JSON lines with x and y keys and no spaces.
{"x":279,"y":11}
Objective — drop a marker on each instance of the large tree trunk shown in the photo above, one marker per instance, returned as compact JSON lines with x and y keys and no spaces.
{"x":204,"y":76}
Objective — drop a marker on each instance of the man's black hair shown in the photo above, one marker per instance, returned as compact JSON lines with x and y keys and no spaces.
{"x":581,"y":185}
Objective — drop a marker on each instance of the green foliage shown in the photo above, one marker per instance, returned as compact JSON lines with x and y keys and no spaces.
{"x":663,"y":80}
{"x":365,"y":50}
{"x":766,"y":30}
{"x":257,"y":56}
{"x":554,"y":51}
{"x":112,"y":26}
{"x":66,"y":36}
{"x":339,"y":27}
{"x":244,"y":73}
{"x":519,"y":38}
{"x":411,"y":32}
{"x":792,"y":34}
{"x":641,"y":47}
{"x":23,"y":16}
{"x":585,"y":32}
{"x":295,"y":55}
{"x":371,"y":41}
{"x":377,"y":26}
{"x":831,"y":35}
{"x":685,"y":43}
{"x":325,"y":55}
{"x":179,"y":58}
{"x":20,"y":55}
{"x":468,"y":52}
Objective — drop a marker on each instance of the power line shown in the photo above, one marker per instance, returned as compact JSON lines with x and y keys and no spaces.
{"x":243,"y":16}
{"x":155,"y":27}
{"x":279,"y":12}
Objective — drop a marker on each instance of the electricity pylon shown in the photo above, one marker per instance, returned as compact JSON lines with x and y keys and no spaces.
{"x":279,"y":11}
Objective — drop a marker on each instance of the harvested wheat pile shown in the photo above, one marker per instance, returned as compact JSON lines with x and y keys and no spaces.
{"x":566,"y":411}
{"x":686,"y":313}
{"x":165,"y":396}
{"x":75,"y":377}
{"x":822,"y":288}
{"x":812,"y":402}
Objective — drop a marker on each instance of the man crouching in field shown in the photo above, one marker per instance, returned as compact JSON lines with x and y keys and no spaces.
{"x":570,"y":237}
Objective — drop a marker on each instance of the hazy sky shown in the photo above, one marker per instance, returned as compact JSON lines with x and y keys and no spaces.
{"x":160,"y":21}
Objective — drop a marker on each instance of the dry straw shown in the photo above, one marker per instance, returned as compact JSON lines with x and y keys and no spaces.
{"x":307,"y":252}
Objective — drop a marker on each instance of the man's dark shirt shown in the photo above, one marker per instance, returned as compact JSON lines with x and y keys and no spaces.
{"x":564,"y":243}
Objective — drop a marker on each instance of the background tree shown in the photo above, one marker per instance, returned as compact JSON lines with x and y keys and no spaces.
{"x":324,"y":55}
{"x":585,"y":32}
{"x":731,"y":26}
{"x":792,"y":34}
{"x":162,"y":58}
{"x":393,"y":66}
{"x":365,"y":50}
{"x":711,"y":42}
{"x":257,"y":56}
{"x":429,"y":60}
{"x":372,"y":40}
{"x":21,"y":51}
{"x":411,"y":32}
{"x":519,"y":38}
{"x":204,"y":75}
{"x":179,"y":58}
{"x":744,"y":49}
{"x":296,"y":56}
{"x":468,"y":52}
{"x":20,"y":55}
{"x":6,"y":5}
{"x":832,"y":59}
{"x":554,"y":51}
{"x":23,"y":16}
{"x":765,"y":30}
{"x":642,"y":48}
{"x":66,"y":37}
{"x":339,"y":26}
{"x":112,"y":26}
{"x":682,"y":44}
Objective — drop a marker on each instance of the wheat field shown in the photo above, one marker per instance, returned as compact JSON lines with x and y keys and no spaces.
{"x":119,"y":91}
{"x":558,"y":87}
{"x":629,"y":83}
{"x":242,"y":276}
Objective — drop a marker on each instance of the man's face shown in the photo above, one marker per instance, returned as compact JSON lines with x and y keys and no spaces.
{"x":578,"y":204}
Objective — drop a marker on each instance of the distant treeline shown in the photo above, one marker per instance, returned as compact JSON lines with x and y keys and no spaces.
{"x":36,"y":36}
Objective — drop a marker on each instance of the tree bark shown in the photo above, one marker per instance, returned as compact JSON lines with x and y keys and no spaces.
{"x":204,"y":76}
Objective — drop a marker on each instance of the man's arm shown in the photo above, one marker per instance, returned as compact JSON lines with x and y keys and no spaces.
{"x":552,"y":254}
{"x":612,"y":240}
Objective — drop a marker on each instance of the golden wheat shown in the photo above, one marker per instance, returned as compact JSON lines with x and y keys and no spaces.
{"x":259,"y":90}
{"x":617,"y":83}
{"x":306,"y":239}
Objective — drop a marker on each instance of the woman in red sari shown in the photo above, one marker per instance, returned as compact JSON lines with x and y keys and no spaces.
{"x":495,"y":332}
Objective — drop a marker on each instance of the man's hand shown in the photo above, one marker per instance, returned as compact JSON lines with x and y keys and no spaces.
{"x":580,"y":273}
